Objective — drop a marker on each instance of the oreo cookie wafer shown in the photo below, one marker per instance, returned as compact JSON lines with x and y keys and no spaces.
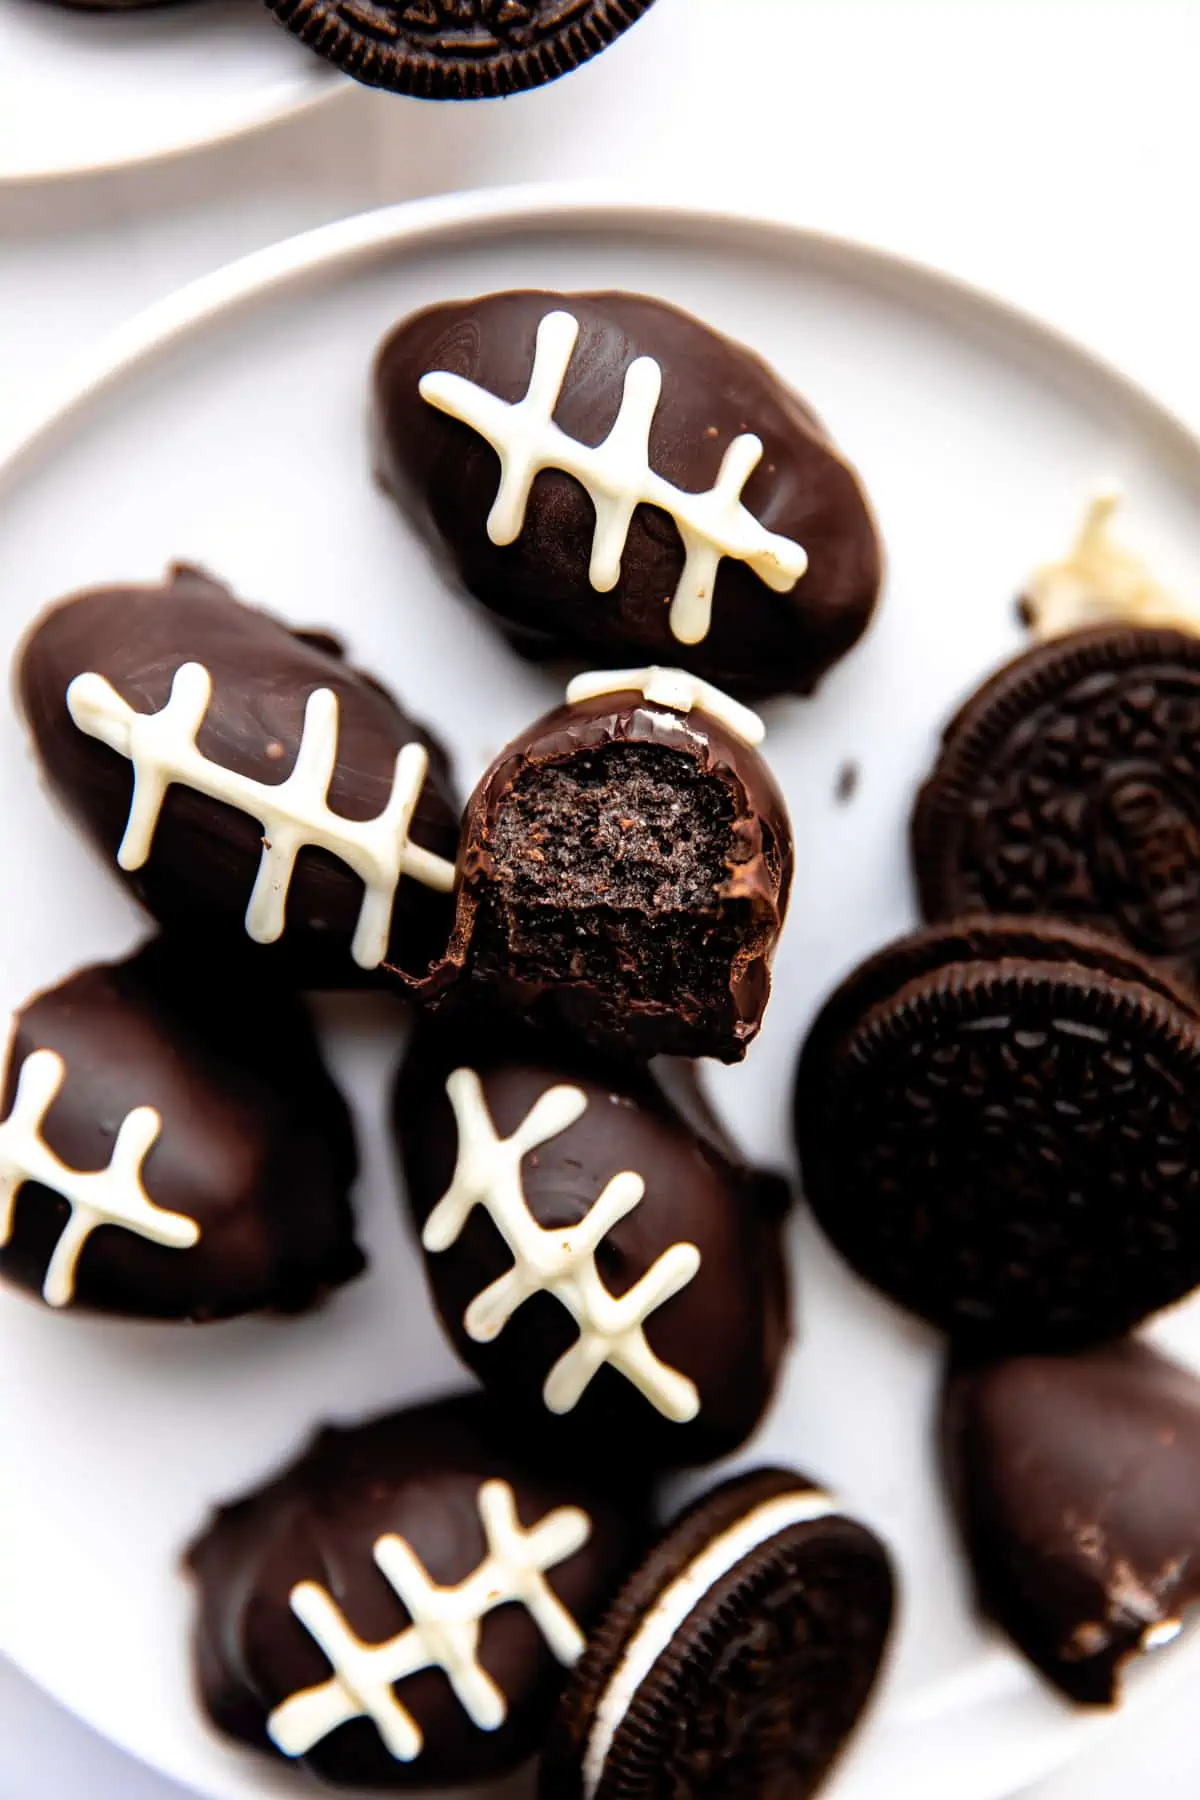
{"x":999,"y":1127}
{"x":1070,"y":784}
{"x":737,"y":1661}
{"x":458,"y":49}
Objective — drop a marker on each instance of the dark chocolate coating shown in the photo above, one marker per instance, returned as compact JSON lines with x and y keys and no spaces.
{"x":445,"y":476}
{"x":726,"y":1330}
{"x":458,"y":49}
{"x":1067,"y":784}
{"x":998,"y":1127}
{"x":205,"y":854}
{"x":1075,"y":1483}
{"x":707,"y":978}
{"x":256,"y":1144}
{"x":415,"y":1474}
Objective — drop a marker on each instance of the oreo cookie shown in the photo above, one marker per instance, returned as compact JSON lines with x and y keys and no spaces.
{"x":997,"y":1125}
{"x":458,"y":49}
{"x":738,"y":1659}
{"x":1074,"y":1481}
{"x":1070,"y":784}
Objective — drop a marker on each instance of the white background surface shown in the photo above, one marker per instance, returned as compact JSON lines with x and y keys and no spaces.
{"x":82,"y":90}
{"x":1047,"y":148}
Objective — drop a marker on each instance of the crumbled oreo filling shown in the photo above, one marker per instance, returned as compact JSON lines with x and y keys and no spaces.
{"x":610,"y":868}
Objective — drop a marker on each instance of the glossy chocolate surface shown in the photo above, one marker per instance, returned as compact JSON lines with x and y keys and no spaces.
{"x":416,"y":1475}
{"x":1075,"y":1482}
{"x":707,"y":977}
{"x":256,"y":1145}
{"x":445,"y":476}
{"x":205,"y":855}
{"x":725,"y":1330}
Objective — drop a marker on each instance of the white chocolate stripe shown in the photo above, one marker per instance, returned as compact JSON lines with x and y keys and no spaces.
{"x":656,"y":1631}
{"x":293,"y":813}
{"x":112,"y":1196}
{"x":618,"y":477}
{"x":612,"y":1328}
{"x":443,"y":1633}
{"x":673,"y":688}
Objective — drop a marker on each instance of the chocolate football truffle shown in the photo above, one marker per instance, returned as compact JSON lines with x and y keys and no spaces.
{"x":172,"y":1147}
{"x":625,"y":868}
{"x":600,"y":1254}
{"x":247,"y":781}
{"x":1075,"y":1483}
{"x":618,"y":482}
{"x":400,"y":1608}
{"x":999,"y":1126}
{"x":736,"y":1662}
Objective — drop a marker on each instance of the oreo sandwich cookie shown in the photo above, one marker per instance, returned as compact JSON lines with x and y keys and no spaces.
{"x":735,"y":1664}
{"x":457,"y":49}
{"x":1074,"y":1482}
{"x":998,"y":1123}
{"x":1070,"y":784}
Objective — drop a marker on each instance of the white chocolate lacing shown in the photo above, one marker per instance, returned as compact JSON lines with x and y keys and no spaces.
{"x":618,"y":477}
{"x":444,"y":1632}
{"x":293,"y":813}
{"x":112,"y":1196}
{"x":562,"y":1263}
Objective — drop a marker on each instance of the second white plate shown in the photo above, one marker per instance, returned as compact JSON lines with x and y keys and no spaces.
{"x":81,"y":92}
{"x":229,"y":429}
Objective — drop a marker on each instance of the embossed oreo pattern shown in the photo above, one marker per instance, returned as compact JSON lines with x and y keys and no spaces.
{"x":762,"y":1679}
{"x":458,"y":49}
{"x":1013,"y":1152}
{"x":1070,"y":784}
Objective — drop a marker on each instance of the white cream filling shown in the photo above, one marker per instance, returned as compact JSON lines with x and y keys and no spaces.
{"x":653,"y":1636}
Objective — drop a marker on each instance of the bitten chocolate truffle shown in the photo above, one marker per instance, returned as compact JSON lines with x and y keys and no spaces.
{"x":617,"y":482}
{"x":249,"y":784}
{"x":1075,"y":1482}
{"x":999,"y":1126}
{"x":625,"y":868}
{"x":400,"y":1608}
{"x":602,"y":1257}
{"x":172,"y":1147}
{"x":736,"y":1662}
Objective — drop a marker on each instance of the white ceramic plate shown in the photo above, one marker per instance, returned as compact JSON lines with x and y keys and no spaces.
{"x":81,"y":92}
{"x":228,"y":426}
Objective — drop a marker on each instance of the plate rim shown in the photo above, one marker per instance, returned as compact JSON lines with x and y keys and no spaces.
{"x":289,"y":97}
{"x":574,"y":205}
{"x":423,"y":224}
